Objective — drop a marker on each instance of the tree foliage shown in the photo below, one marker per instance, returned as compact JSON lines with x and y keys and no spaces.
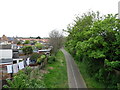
{"x":35,"y":56}
{"x":18,"y":43}
{"x":38,"y":37}
{"x":41,"y":58}
{"x":96,"y":40}
{"x":26,"y":42}
{"x":24,"y":79}
{"x":56,"y":39}
{"x":38,"y":45}
{"x":27,"y":50}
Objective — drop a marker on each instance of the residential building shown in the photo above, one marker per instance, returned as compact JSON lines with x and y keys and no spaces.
{"x":4,"y":40}
{"x":9,"y":53}
{"x":6,"y":54}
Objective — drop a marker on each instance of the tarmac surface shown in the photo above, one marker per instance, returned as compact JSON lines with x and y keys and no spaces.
{"x":75,"y":79}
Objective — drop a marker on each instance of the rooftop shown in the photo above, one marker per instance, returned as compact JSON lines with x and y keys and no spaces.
{"x":8,"y":46}
{"x":6,"y":60}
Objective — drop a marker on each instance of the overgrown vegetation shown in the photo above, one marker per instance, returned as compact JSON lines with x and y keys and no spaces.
{"x":90,"y":81}
{"x":51,"y":59}
{"x":28,"y":78}
{"x":26,"y":42}
{"x":38,"y":46}
{"x":95,"y":40}
{"x":27,"y":50}
{"x":57,"y":76}
{"x":41,"y":58}
{"x":35,"y":56}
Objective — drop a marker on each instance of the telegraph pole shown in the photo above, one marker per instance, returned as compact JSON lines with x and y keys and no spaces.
{"x":119,"y":9}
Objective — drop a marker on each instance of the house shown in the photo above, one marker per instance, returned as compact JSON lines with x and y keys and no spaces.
{"x":9,"y":54}
{"x":6,"y":54}
{"x":4,"y":40}
{"x":45,"y":51}
{"x":38,"y":40}
{"x":12,"y":40}
{"x":8,"y":40}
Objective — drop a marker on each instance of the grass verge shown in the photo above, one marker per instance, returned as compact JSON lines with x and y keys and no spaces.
{"x":57,"y":76}
{"x":90,"y":82}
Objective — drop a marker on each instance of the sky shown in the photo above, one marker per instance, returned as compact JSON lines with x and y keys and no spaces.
{"x":25,"y":18}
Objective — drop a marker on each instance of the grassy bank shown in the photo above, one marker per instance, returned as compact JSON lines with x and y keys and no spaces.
{"x":57,"y":73}
{"x":90,"y":82}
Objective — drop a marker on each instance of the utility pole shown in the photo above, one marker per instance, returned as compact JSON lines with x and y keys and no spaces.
{"x":119,"y":9}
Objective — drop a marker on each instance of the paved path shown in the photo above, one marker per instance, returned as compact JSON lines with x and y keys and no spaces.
{"x":75,"y":79}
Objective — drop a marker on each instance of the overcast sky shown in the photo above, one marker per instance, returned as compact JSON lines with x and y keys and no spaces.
{"x":38,"y":17}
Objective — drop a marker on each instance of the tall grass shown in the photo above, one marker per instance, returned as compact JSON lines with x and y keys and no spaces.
{"x":57,"y":76}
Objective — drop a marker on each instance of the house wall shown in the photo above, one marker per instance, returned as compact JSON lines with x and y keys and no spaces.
{"x":17,"y":60}
{"x":6,"y":53}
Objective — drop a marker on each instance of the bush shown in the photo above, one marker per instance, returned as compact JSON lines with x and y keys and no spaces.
{"x":51,"y":59}
{"x":28,"y":70}
{"x":38,"y":45}
{"x":96,"y":40}
{"x":24,"y":80}
{"x":41,"y":58}
{"x":19,"y":81}
{"x":27,"y":50}
{"x":35,"y":56}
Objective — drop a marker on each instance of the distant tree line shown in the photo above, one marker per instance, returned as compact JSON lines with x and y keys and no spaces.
{"x":38,"y":37}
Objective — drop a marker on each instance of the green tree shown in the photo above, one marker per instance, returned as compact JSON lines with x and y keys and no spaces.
{"x":35,"y":56}
{"x":38,"y":37}
{"x":38,"y":45}
{"x":41,"y":58}
{"x":23,"y":79}
{"x":27,"y":50}
{"x":26,"y":42}
{"x":94,"y":39}
{"x":18,"y":43}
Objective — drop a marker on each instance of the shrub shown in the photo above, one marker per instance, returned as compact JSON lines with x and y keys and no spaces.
{"x":41,"y":58}
{"x":35,"y":56}
{"x":19,"y":81}
{"x":24,"y":80}
{"x":51,"y":59}
{"x":27,"y":50}
{"x":95,"y":40}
